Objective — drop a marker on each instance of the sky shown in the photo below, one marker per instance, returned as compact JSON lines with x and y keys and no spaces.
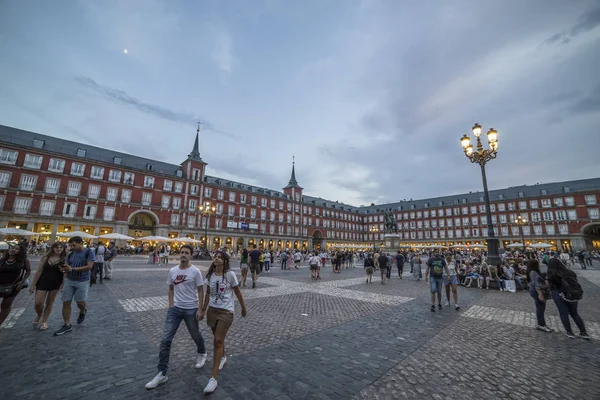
{"x":370,"y":97}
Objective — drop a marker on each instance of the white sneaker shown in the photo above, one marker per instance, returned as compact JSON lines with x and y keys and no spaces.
{"x":211,"y":386}
{"x":221,"y":365}
{"x":447,"y":304}
{"x":157,"y":380}
{"x":201,"y":360}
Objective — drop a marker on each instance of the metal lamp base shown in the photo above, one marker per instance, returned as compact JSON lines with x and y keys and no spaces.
{"x":492,"y":257}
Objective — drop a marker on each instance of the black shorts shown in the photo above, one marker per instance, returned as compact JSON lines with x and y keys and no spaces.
{"x":314,"y":267}
{"x":255,"y":268}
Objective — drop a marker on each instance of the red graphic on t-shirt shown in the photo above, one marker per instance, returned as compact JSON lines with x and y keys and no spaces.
{"x":179,"y":279}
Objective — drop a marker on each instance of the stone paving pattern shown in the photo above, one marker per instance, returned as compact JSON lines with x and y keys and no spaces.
{"x":358,"y":340}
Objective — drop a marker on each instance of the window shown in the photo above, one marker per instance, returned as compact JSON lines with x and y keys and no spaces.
{"x":263,"y":216}
{"x":219,"y":208}
{"x":178,"y":187}
{"x":558,"y":202}
{"x":535,"y":217}
{"x":560,"y":215}
{"x":21,"y":205}
{"x":504,"y":231}
{"x":511,"y":206}
{"x":196,"y":174}
{"x":242,"y":211}
{"x":482,"y":208}
{"x":475,"y":232}
{"x":544,"y":192}
{"x":272,"y":217}
{"x":253,"y":200}
{"x":537,"y":230}
{"x":149,"y":167}
{"x":128,"y":178}
{"x":112,"y":194}
{"x":522,"y":205}
{"x":28,"y":182}
{"x":563,"y":229}
{"x":4,"y":179}
{"x":220,"y":194}
{"x":176,"y":203}
{"x":146,"y":198}
{"x":493,"y":207}
{"x":231,"y":196}
{"x":77,"y":169}
{"x":97,"y":172}
{"x":550,"y":230}
{"x":56,"y":165}
{"x":273,"y":205}
{"x":109,"y":213}
{"x":433,"y":213}
{"x":473,"y":210}
{"x":494,"y":220}
{"x":546,"y":203}
{"x":594,"y":213}
{"x":192,"y":205}
{"x":512,"y":218}
{"x":165,"y":202}
{"x":548,"y":216}
{"x":168,"y":185}
{"x":175,"y":219}
{"x":207,"y":191}
{"x":515,"y":230}
{"x":590,"y":199}
{"x":81,"y":152}
{"x":242,"y":198}
{"x":501,"y":207}
{"x":289,"y":208}
{"x":533,"y":204}
{"x":125,"y":195}
{"x":8,"y":157}
{"x":475,"y":220}
{"x":521,"y":195}
{"x":231,"y":210}
{"x":179,"y":173}
{"x":89,"y":211}
{"x":47,"y":207}
{"x":114,"y":175}
{"x":69,"y":210}
{"x":52,"y":185}
{"x":500,"y":196}
{"x":572,"y":215}
{"x":502,"y":218}
{"x":526,"y":230}
{"x":191,"y":221}
{"x":263,"y":203}
{"x":117,"y":160}
{"x":569,"y":201}
{"x":148,"y":181}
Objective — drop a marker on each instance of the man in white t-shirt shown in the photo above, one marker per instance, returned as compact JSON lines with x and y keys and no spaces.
{"x":297,"y":259}
{"x":186,"y":296}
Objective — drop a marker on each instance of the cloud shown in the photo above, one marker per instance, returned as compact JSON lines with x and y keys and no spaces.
{"x":587,"y":104}
{"x":222,"y":53}
{"x":122,"y":97}
{"x":586,"y":22}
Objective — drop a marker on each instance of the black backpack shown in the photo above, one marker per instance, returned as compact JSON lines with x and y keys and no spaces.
{"x":570,"y":290}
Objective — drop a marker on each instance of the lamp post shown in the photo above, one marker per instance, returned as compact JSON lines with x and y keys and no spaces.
{"x":481,"y":156}
{"x":206,"y":210}
{"x":521,"y":221}
{"x":374,"y":230}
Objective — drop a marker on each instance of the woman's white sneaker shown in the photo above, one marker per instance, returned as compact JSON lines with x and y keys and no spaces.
{"x":211,"y":386}
{"x":222,"y":363}
{"x":200,"y":360}
{"x":157,"y":380}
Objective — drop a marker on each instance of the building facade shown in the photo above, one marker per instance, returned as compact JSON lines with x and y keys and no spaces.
{"x":50,"y":185}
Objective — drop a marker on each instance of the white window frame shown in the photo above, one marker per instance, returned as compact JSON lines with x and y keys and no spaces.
{"x":58,"y":167}
{"x":128,"y":178}
{"x":97,"y":172}
{"x":47,"y":207}
{"x":167,"y":185}
{"x":149,"y":182}
{"x":52,"y":185}
{"x":5,"y":178}
{"x":8,"y":156}
{"x":95,"y":193}
{"x":22,"y":205}
{"x":114,"y":175}
{"x":108,"y":214}
{"x":112,"y":193}
{"x":33,"y":161}
{"x":28,"y":182}
{"x":75,"y":167}
{"x":125,"y":195}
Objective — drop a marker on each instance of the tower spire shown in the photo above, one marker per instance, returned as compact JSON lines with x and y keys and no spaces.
{"x":195,"y":154}
{"x":293,"y":182}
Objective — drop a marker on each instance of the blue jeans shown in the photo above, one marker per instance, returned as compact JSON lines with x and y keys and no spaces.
{"x":540,"y":308}
{"x":499,"y":282}
{"x":267,"y":265}
{"x":435,"y":284}
{"x":519,"y":283}
{"x":565,"y":309}
{"x":174,"y":317}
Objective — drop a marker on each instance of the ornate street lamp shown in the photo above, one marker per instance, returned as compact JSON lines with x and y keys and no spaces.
{"x":374,"y":230}
{"x":521,"y":221}
{"x":481,"y":156}
{"x":206,"y":210}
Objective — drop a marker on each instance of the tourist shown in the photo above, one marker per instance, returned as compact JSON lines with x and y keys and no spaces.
{"x":400,"y":263}
{"x":98,"y":267}
{"x":415,"y":268}
{"x":540,"y":293}
{"x":254,"y":257}
{"x":566,"y":293}
{"x":436,"y":266}
{"x":451,"y":281}
{"x":14,"y":271}
{"x":283,"y":260}
{"x":369,"y":266}
{"x":267,"y":261}
{"x":484,"y":276}
{"x":297,"y":259}
{"x":383,"y":266}
{"x":509,"y":278}
{"x":497,"y":276}
{"x":219,"y":307}
{"x":110,"y":255}
{"x":186,"y":296}
{"x":244,"y":266}
{"x":76,"y":284}
{"x":313,"y":263}
{"x":47,"y":282}
{"x":261,"y":260}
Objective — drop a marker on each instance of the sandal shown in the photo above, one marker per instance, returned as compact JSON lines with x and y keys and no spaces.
{"x":36,"y":321}
{"x":43,"y":326}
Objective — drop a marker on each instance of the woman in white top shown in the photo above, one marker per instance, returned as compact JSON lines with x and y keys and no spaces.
{"x":219,"y":306}
{"x":451,"y":282}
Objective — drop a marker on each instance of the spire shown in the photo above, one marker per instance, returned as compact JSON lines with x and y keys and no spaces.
{"x":293,"y":182}
{"x":195,"y":154}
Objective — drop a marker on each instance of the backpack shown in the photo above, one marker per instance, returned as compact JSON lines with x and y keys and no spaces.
{"x":570,"y":290}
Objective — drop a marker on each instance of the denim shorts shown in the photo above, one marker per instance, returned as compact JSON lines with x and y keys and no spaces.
{"x":75,"y":290}
{"x":435,"y":284}
{"x":453,"y":280}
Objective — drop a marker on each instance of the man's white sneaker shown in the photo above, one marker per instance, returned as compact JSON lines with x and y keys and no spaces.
{"x":447,"y":304}
{"x":157,"y":380}
{"x":200,"y":360}
{"x":222,"y":364}
{"x":211,"y":386}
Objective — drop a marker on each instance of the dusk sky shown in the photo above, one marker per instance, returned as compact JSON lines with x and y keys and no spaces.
{"x":371,"y":97}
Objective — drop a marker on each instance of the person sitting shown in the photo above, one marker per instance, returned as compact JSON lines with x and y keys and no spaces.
{"x":484,"y":276}
{"x":520,"y":275}
{"x":471,"y":276}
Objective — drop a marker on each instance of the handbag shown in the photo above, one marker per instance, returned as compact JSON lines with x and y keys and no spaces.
{"x":509,"y":285}
{"x":6,"y":290}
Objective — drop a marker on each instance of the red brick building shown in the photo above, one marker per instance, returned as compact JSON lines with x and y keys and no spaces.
{"x":50,"y":185}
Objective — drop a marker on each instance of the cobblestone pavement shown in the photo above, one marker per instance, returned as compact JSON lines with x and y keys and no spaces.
{"x":338,"y":338}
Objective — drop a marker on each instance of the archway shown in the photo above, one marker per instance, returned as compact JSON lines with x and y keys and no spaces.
{"x":317,"y":239}
{"x":261,"y":244}
{"x":296,"y":245}
{"x":216,"y":242}
{"x":142,"y":223}
{"x":280,"y":244}
{"x":229,"y":242}
{"x":271,"y":244}
{"x":240,"y":243}
{"x":591,"y":235}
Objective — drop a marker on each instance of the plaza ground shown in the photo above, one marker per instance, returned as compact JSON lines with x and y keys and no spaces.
{"x":338,"y":338}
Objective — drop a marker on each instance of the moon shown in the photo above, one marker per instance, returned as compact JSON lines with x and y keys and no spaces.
{"x":125,"y":51}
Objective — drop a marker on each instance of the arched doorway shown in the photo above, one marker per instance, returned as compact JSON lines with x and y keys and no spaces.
{"x":240,"y":243}
{"x":142,"y":223}
{"x":261,"y":244}
{"x":280,"y":244}
{"x":271,"y":244}
{"x":216,"y":242}
{"x":229,"y":242}
{"x":591,"y":235}
{"x":317,"y":239}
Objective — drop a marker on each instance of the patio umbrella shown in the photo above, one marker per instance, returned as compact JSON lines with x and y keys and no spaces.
{"x":116,"y":236}
{"x":478,"y":246}
{"x":156,"y":239}
{"x":187,"y":240}
{"x":16,"y":232}
{"x":83,"y":235}
{"x":515,"y":245}
{"x":541,"y":246}
{"x":4,"y":246}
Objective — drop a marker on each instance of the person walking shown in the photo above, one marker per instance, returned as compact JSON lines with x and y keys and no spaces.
{"x":186,"y":297}
{"x":76,"y":284}
{"x":297,"y":259}
{"x":540,"y":293}
{"x":98,"y":267}
{"x":254,"y":257}
{"x":313,"y":263}
{"x":566,"y":293}
{"x":400,"y":263}
{"x":436,"y":265}
{"x":383,"y":266}
{"x":416,"y":267}
{"x":369,"y":266}
{"x":451,"y":282}
{"x":283,"y":260}
{"x":267,"y":261}
{"x":14,"y":271}
{"x":47,"y":282}
{"x":111,"y":254}
{"x":219,"y":307}
{"x":244,"y":266}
